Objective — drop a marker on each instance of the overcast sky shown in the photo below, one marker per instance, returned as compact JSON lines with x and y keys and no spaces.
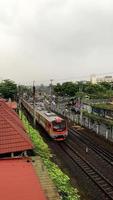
{"x":55,"y":39}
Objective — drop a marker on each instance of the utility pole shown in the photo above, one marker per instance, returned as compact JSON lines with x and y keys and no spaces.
{"x":18,"y":98}
{"x":51,"y":80}
{"x":50,"y":99}
{"x":34,"y":117}
{"x":19,"y":104}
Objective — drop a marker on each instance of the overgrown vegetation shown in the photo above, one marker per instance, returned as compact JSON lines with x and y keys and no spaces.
{"x":98,"y":119}
{"x":103,"y":106}
{"x":61,"y":180}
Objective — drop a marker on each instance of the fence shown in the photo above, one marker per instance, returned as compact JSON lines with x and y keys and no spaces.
{"x":100,"y":129}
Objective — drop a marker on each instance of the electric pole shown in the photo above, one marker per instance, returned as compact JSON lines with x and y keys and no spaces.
{"x":51,"y":80}
{"x":34,"y":117}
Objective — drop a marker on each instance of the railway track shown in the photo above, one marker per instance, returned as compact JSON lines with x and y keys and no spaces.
{"x":103,"y":183}
{"x":104,"y":154}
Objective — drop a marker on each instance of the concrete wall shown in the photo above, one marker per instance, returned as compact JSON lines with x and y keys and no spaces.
{"x":100,"y":129}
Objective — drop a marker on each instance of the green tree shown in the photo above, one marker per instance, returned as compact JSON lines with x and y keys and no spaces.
{"x":90,"y":88}
{"x":80,"y":89}
{"x":106,"y":85}
{"x":67,"y":88}
{"x":24,"y":89}
{"x":58,"y":89}
{"x":8,"y":89}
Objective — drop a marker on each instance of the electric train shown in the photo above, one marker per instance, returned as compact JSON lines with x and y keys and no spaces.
{"x":55,"y":126}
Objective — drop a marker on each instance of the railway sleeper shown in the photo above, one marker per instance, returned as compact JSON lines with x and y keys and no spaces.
{"x":95,"y":176}
{"x":110,"y":192}
{"x":91,"y":173}
{"x":98,"y":179}
{"x":101,"y":182}
{"x":109,"y":189}
{"x":78,"y":160}
{"x":82,"y":165}
{"x":105,"y":185}
{"x":81,"y":162}
{"x":86,"y":168}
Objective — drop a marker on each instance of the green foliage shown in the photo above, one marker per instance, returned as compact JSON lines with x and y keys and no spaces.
{"x":100,"y":90}
{"x":61,"y":180}
{"x":58,"y":89}
{"x":94,"y":88}
{"x":24,"y":89}
{"x":106,"y":85}
{"x":67,"y":88}
{"x":8,"y":89}
{"x":103,"y":106}
{"x":98,"y":119}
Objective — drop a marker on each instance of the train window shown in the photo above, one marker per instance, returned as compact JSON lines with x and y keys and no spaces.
{"x":61,"y":126}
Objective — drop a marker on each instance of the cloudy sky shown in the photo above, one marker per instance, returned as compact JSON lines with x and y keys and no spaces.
{"x":55,"y":39}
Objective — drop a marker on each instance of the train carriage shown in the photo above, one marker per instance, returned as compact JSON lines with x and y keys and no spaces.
{"x":54,"y":125}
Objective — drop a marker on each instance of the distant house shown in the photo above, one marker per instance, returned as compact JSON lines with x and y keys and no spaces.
{"x":86,"y":107}
{"x":103,"y":110}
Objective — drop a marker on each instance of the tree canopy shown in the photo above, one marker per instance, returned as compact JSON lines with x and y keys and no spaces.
{"x":8,"y":89}
{"x":67,"y":88}
{"x":99,"y":90}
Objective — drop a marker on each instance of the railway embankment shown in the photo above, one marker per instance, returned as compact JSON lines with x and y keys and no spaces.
{"x":58,"y":181}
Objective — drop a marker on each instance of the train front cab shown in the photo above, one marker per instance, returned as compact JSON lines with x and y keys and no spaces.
{"x":59,"y":129}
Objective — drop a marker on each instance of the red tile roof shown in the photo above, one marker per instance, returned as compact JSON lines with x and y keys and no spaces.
{"x":13,"y":137}
{"x":8,"y":112}
{"x":18,"y":181}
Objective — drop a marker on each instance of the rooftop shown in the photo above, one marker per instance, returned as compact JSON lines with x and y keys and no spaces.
{"x":13,"y":137}
{"x":19,"y":181}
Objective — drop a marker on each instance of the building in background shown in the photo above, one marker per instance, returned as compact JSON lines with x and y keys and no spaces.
{"x":108,"y":79}
{"x":94,"y":79}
